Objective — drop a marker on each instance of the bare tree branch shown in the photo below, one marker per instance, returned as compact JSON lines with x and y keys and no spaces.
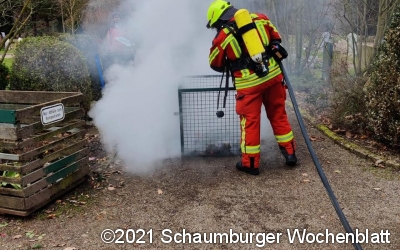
{"x":18,"y":25}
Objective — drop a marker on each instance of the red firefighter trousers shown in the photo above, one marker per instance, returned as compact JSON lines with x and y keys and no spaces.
{"x":272,"y":94}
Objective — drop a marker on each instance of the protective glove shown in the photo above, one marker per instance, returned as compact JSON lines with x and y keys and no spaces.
{"x":277,"y":51}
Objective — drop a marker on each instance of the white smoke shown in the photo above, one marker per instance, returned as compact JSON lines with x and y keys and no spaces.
{"x":135,"y":116}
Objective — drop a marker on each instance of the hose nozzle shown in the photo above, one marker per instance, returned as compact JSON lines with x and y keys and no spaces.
{"x":220,"y":114}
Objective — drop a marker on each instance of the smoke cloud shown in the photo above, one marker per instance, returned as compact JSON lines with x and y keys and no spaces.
{"x":135,"y":116}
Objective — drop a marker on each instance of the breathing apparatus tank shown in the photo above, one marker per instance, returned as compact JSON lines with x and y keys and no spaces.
{"x":252,"y":41}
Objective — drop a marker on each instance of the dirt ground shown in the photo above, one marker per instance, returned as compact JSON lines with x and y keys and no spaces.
{"x":209,"y":196}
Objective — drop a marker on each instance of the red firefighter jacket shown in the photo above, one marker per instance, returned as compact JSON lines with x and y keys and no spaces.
{"x":113,"y":45}
{"x":226,"y":45}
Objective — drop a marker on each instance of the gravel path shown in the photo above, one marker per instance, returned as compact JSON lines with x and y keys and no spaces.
{"x":208,"y":195}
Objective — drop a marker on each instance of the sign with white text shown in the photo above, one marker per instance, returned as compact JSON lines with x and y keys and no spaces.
{"x":52,"y":114}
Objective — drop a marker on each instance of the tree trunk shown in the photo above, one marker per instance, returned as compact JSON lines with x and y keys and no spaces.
{"x":34,"y":25}
{"x":19,"y":23}
{"x":62,"y":16}
{"x":299,"y":42}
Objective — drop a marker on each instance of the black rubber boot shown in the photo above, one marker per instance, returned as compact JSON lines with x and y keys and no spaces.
{"x":291,"y":159}
{"x":252,"y":171}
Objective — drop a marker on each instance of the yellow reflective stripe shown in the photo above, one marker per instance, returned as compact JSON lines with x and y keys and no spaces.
{"x":213,"y":55}
{"x":253,"y":149}
{"x":272,"y":63}
{"x":243,"y":141}
{"x":273,"y":26}
{"x":236,"y":48}
{"x":264,"y":22}
{"x":234,"y":44}
{"x":245,"y":73}
{"x":247,"y":149}
{"x":268,"y":22}
{"x":247,"y":84}
{"x":227,"y":41}
{"x":246,"y":78}
{"x":264,"y":36}
{"x":284,"y":138}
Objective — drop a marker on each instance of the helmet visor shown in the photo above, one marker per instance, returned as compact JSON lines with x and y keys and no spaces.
{"x":208,"y":25}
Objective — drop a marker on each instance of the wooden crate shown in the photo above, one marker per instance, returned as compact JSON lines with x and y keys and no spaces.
{"x":39,"y":161}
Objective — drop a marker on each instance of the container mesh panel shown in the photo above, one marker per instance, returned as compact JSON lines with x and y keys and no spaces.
{"x":202,"y":132}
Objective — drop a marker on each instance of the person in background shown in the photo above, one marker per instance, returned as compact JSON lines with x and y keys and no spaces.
{"x":116,"y":40}
{"x":253,"y":88}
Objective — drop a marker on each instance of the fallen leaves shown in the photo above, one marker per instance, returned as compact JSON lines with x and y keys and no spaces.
{"x":40,"y":236}
{"x":30,"y":234}
{"x":305,"y":180}
{"x":379,"y":164}
{"x":18,"y":236}
{"x":315,"y":138}
{"x":59,"y":245}
{"x":104,"y":159}
{"x":326,"y":121}
{"x":339,"y":131}
{"x":76,"y":202}
{"x":51,"y":216}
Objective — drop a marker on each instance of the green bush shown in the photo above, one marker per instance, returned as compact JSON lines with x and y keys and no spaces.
{"x":48,"y":64}
{"x":316,"y":90}
{"x":88,"y":47}
{"x":348,"y":103}
{"x":4,"y":74}
{"x":383,"y":96}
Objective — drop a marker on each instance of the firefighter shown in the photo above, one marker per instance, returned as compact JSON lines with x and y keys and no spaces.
{"x":255,"y":85}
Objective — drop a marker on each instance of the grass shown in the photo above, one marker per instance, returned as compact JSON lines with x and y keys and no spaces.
{"x":8,"y":62}
{"x":66,"y":206}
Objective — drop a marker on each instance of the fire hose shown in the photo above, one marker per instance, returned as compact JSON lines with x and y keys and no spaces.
{"x":321,"y":173}
{"x":256,"y":50}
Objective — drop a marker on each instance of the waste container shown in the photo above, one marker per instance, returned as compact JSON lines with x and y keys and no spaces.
{"x":202,"y":132}
{"x":43,"y":151}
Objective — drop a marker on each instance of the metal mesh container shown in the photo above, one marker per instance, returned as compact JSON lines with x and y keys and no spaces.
{"x":202,"y":132}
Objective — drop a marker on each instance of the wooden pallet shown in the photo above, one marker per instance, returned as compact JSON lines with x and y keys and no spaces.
{"x":39,"y":162}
